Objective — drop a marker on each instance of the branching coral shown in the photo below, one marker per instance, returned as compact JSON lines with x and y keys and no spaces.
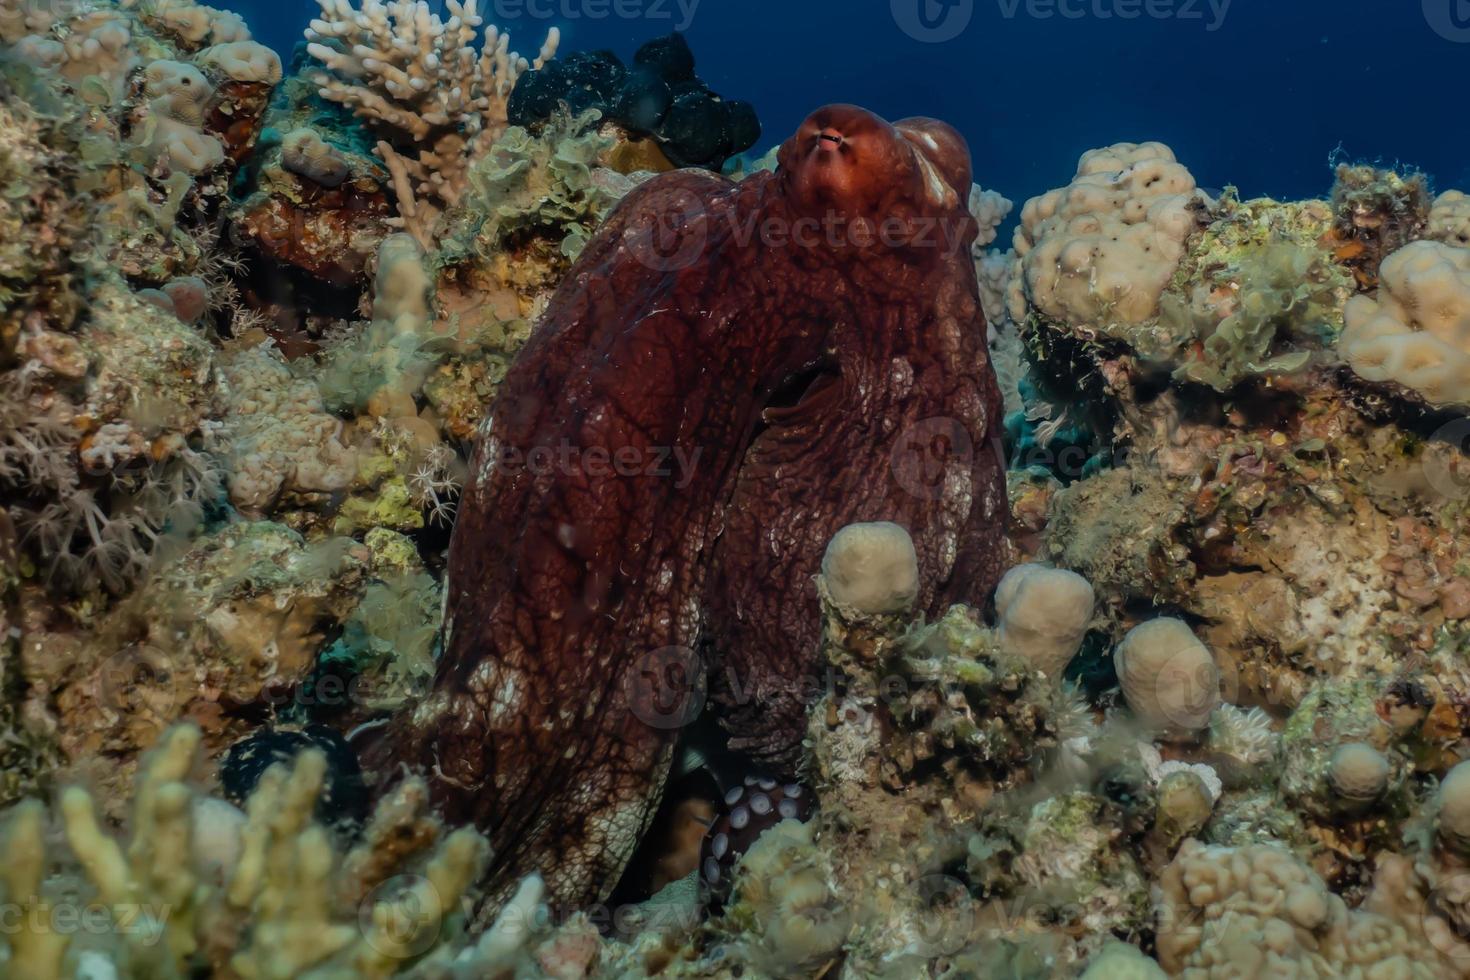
{"x":274,"y":896}
{"x":439,"y":103}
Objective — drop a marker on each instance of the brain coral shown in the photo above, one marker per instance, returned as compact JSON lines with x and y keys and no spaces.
{"x":1103,"y":249}
{"x":1416,"y":332}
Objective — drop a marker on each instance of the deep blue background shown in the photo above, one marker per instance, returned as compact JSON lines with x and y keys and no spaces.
{"x":1261,"y":102}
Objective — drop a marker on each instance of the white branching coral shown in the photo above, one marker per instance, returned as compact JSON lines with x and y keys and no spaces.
{"x":438,"y":100}
{"x":198,"y":889}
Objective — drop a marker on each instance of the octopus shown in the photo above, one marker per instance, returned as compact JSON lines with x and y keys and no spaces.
{"x":730,"y":373}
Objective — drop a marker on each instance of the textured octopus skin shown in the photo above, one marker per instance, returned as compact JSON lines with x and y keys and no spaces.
{"x":678,"y":335}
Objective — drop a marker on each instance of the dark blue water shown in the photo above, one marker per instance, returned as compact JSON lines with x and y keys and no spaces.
{"x":1257,"y":93}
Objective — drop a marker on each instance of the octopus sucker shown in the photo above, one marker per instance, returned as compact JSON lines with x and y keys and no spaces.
{"x":809,"y":383}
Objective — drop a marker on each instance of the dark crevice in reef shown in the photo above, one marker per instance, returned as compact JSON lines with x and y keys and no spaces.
{"x":283,"y":294}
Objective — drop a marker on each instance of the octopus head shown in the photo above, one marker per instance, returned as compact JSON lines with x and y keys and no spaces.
{"x":846,"y":160}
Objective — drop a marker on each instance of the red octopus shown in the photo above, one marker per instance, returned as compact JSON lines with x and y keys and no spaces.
{"x":730,"y":373}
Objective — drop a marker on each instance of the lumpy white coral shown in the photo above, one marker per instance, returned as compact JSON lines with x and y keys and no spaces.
{"x":1044,"y":614}
{"x":1416,"y":332}
{"x":1358,"y":772}
{"x":1103,"y":249}
{"x":280,"y":437}
{"x":178,"y":94}
{"x":990,"y":209}
{"x":1226,"y":913}
{"x":1168,"y":676}
{"x":1453,"y":822}
{"x":242,"y":61}
{"x":872,"y":569}
{"x":439,"y":101}
{"x":1449,"y":219}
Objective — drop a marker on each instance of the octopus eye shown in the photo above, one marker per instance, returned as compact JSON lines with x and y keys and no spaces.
{"x":832,"y":138}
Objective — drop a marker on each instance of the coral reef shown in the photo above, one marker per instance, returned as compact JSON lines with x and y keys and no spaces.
{"x":360,"y":412}
{"x":1449,"y":219}
{"x":1258,"y":911}
{"x":871,"y":569}
{"x":1168,"y":677}
{"x":200,"y":886}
